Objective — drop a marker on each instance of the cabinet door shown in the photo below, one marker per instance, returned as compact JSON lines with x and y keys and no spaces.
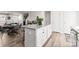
{"x":44,"y":32}
{"x":30,"y":38}
{"x":47,"y":33}
{"x":39,"y":36}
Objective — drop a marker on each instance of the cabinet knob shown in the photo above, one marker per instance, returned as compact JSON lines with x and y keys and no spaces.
{"x":43,"y":32}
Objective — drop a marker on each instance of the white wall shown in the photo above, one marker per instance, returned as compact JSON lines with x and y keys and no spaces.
{"x":34,"y":14}
{"x":77,"y":17}
{"x":57,"y":21}
{"x":47,"y":17}
{"x":70,"y":20}
{"x":62,"y":21}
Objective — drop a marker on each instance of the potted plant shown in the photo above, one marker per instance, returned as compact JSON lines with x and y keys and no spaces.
{"x":39,"y":20}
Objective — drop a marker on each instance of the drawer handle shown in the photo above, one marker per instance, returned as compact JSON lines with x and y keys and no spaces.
{"x":43,"y":32}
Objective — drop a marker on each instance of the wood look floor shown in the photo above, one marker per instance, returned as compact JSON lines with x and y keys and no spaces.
{"x":57,"y":40}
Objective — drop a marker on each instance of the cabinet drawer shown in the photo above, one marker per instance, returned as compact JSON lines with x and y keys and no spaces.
{"x":41,"y":36}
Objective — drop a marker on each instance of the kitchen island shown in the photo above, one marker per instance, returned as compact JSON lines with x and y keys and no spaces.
{"x":36,"y":35}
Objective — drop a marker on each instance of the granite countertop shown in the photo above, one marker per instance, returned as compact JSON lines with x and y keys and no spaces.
{"x":34,"y":26}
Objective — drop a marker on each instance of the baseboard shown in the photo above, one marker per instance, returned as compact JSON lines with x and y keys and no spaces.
{"x":47,"y":41}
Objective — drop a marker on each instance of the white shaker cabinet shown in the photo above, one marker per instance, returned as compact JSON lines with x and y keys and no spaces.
{"x":37,"y":37}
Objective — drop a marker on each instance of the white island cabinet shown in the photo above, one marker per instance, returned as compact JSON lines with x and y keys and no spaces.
{"x":36,"y":36}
